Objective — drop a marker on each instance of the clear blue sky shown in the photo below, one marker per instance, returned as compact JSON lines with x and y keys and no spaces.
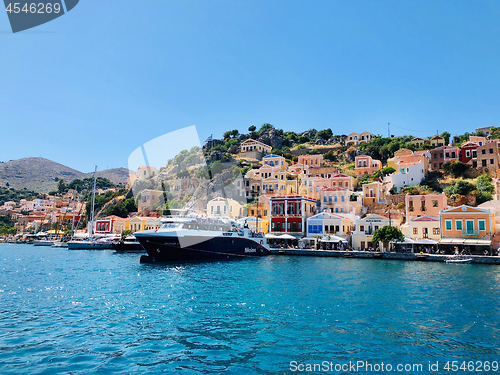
{"x":95,"y":84}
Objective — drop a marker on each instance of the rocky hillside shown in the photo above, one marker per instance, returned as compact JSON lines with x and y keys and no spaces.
{"x":116,"y":175}
{"x":41,"y":175}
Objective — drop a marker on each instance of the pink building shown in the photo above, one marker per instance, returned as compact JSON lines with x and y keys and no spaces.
{"x":420,"y":205}
{"x":364,"y":164}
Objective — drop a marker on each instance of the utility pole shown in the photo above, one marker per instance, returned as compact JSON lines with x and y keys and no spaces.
{"x":388,"y":130}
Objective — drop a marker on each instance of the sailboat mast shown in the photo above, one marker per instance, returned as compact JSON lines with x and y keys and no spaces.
{"x":73,"y":218}
{"x":91,"y":229}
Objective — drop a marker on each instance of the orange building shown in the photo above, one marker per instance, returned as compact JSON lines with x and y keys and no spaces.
{"x":311,"y":160}
{"x":343,"y":181}
{"x":467,"y":228}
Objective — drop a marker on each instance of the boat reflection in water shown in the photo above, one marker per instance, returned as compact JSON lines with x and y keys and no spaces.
{"x":195,"y":238}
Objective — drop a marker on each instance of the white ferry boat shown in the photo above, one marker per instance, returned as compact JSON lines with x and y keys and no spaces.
{"x":193,"y":238}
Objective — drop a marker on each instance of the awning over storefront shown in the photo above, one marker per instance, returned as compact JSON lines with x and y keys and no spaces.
{"x":407,"y":241}
{"x":451,"y":241}
{"x":462,"y":241}
{"x":426,"y":241}
{"x":272,"y":236}
{"x":477,"y":242}
{"x":333,"y":239}
{"x":287,"y":237}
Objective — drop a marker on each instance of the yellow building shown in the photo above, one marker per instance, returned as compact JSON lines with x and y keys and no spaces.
{"x":372,"y":193}
{"x":423,"y":227}
{"x":260,"y":225}
{"x":437,"y":141}
{"x":144,"y":172}
{"x":312,"y":186}
{"x":343,"y":181}
{"x":260,"y":210}
{"x":119,"y":225}
{"x":138,"y":223}
{"x":364,"y":228}
{"x":338,"y":200}
{"x":224,"y":207}
{"x":419,"y":142}
{"x":150,"y":199}
{"x":274,"y":161}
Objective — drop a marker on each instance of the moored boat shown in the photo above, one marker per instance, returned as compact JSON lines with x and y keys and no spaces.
{"x":129,"y":244}
{"x":92,"y":244}
{"x":60,"y":244}
{"x":459,"y":259}
{"x":186,"y":239}
{"x":43,"y":242}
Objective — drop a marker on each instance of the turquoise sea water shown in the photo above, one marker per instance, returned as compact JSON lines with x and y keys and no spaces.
{"x":82,"y":312}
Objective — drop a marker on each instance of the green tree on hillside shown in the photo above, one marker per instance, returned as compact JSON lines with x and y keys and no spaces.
{"x":304,"y":139}
{"x":460,"y":187}
{"x":446,"y":136}
{"x":381,"y":173}
{"x":456,"y":168}
{"x":325,"y":134}
{"x":384,"y":148}
{"x":265,"y":127}
{"x":485,"y":188}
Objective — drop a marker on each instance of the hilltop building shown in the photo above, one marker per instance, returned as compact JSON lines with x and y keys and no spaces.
{"x":254,"y":149}
{"x":355,"y":139}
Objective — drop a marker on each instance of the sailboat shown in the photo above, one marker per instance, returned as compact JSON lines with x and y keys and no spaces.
{"x":91,"y":243}
{"x":46,"y":241}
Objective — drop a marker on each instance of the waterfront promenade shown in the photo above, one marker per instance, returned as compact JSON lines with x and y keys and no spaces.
{"x":478,"y":259}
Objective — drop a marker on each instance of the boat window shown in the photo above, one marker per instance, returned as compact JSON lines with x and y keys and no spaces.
{"x":171,"y":225}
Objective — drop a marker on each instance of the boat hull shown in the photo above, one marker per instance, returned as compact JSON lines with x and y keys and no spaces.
{"x":123,"y":247}
{"x":164,"y":249}
{"x":89,"y":246}
{"x":459,"y":261}
{"x":43,"y":243}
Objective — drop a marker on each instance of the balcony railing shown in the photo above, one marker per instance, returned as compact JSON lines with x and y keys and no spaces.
{"x":468,"y":232}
